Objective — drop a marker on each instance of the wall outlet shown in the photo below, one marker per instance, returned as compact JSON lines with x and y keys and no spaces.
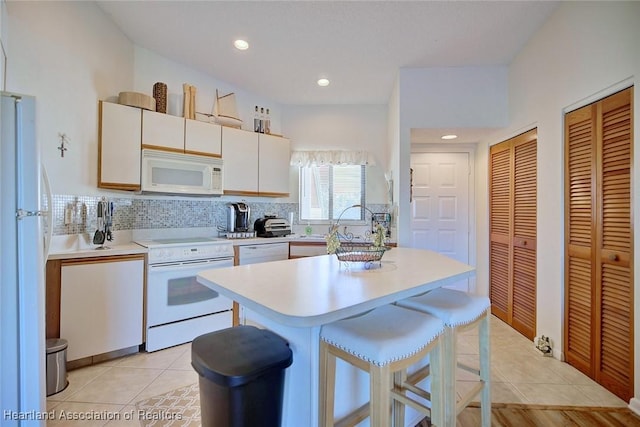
{"x":68,"y":214}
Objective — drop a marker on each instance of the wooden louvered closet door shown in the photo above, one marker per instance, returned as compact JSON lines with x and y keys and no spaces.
{"x":512,"y":216}
{"x":598,"y":242}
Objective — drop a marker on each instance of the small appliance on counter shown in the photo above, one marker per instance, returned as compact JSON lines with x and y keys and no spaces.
{"x":270,"y":226}
{"x":238,"y":217}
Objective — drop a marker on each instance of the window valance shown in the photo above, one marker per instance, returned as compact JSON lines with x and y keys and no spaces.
{"x":332,"y":157}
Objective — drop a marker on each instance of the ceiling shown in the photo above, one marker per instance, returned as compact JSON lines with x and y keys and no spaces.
{"x":358,"y":45}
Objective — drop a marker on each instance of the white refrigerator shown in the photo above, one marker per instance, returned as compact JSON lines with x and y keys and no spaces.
{"x":22,"y":265}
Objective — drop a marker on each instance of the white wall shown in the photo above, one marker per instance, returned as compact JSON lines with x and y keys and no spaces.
{"x":453,"y":97}
{"x":342,"y":127}
{"x":444,"y":97}
{"x":69,"y":55}
{"x":585,"y":51}
{"x":151,"y":68}
{"x":333,"y":127}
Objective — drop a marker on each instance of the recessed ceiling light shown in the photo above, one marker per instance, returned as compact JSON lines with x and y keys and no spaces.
{"x":241,"y":44}
{"x":449,"y":136}
{"x":323,"y":82}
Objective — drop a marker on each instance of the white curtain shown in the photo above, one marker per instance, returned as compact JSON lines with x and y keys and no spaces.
{"x":319,"y":158}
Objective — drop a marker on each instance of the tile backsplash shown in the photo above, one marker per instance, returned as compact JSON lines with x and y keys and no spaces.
{"x":147,"y":213}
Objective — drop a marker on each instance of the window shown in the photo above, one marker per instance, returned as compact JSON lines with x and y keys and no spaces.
{"x":326,"y":191}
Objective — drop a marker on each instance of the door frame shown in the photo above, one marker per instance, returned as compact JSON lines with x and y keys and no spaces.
{"x":470,"y":149}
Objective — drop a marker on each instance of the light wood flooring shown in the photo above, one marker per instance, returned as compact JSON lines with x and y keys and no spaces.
{"x":521,"y":415}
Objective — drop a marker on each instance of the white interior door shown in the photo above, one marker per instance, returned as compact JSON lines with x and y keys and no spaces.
{"x":440,"y":205}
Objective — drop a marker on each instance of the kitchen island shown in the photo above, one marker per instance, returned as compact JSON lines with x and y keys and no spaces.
{"x":294,"y":298}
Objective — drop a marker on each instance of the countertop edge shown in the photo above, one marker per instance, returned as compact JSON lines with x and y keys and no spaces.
{"x":292,"y":238}
{"x":131,"y":248}
{"x":325,"y":318}
{"x":113,"y":250}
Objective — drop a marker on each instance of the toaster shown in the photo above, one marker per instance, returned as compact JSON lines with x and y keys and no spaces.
{"x":270,"y":226}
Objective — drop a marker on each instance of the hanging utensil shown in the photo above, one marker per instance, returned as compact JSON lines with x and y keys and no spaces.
{"x":109,"y":236}
{"x":98,"y":237}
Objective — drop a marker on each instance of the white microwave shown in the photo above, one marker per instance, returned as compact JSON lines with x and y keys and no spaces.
{"x":177,"y":173}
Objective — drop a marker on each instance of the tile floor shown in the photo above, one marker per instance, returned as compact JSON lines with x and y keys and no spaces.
{"x":519,"y":373}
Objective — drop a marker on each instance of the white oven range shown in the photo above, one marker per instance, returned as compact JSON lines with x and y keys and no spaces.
{"x":178,"y":308}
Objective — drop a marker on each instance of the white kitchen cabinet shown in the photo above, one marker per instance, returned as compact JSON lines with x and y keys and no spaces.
{"x":240,"y":156}
{"x":274,"y":154}
{"x":162,"y":131}
{"x":255,"y":164}
{"x":202,"y":138}
{"x":305,"y":249}
{"x":101,"y":305}
{"x":119,"y":146}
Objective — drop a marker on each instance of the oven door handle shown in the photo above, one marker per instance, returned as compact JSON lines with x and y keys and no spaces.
{"x":186,"y":265}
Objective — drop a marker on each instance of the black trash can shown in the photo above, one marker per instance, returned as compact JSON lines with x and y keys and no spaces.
{"x":241,"y":376}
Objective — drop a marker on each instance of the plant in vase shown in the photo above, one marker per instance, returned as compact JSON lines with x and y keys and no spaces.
{"x":333,"y":241}
{"x":378,"y":240}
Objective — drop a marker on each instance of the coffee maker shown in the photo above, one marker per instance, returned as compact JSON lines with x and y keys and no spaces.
{"x":238,"y":217}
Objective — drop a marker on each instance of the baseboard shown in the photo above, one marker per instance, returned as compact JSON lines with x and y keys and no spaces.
{"x":99,"y":358}
{"x":634,"y":405}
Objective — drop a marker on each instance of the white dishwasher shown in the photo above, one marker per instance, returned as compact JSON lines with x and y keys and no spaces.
{"x":254,"y":254}
{"x":265,"y":252}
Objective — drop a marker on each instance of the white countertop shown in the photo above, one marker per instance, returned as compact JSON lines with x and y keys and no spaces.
{"x":292,"y":238}
{"x":314,"y":238}
{"x":81,"y":246}
{"x":317,"y":290}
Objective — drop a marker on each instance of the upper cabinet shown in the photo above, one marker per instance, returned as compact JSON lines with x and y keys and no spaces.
{"x":255,"y":164}
{"x":162,"y":131}
{"x":119,"y":133}
{"x":171,"y":133}
{"x":240,"y":156}
{"x":202,"y":138}
{"x":274,"y":154}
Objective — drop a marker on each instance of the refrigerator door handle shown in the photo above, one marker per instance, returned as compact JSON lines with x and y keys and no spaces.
{"x":22,"y":214}
{"x":48,"y":213}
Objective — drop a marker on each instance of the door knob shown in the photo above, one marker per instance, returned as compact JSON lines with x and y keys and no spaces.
{"x":613,"y":257}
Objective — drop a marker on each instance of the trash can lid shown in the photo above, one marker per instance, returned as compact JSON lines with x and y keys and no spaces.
{"x":236,"y":356}
{"x":55,"y":345}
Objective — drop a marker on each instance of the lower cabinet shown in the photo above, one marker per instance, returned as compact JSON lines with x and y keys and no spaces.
{"x":305,"y":249}
{"x":100,"y":304}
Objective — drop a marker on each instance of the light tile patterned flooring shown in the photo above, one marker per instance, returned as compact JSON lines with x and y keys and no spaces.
{"x":519,"y":374}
